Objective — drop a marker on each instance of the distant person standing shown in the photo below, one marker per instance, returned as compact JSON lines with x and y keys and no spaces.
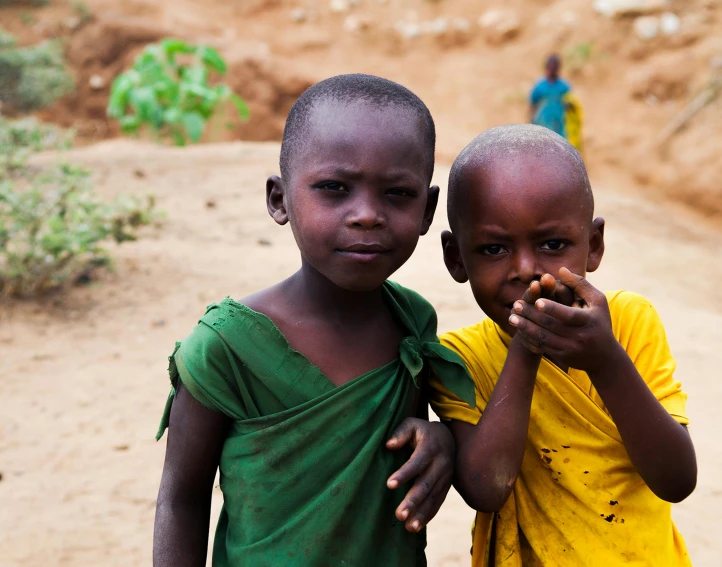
{"x":554,"y":106}
{"x":548,"y":107}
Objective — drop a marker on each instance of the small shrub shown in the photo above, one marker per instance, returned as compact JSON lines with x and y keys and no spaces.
{"x":577,"y":56}
{"x":34,"y":76}
{"x":172,"y":98}
{"x":82,"y":11}
{"x":52,"y":224}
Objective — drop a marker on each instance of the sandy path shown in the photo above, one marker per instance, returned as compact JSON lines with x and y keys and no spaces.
{"x":83,"y":376}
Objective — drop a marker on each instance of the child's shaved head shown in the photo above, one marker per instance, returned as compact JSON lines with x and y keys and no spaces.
{"x":511,"y":142}
{"x":345,"y":89}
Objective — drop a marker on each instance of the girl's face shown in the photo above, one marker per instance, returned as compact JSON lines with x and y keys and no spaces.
{"x":358,"y":196}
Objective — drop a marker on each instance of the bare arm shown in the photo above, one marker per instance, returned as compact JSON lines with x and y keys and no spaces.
{"x":195,"y":439}
{"x":489,"y":454}
{"x":659,"y":447}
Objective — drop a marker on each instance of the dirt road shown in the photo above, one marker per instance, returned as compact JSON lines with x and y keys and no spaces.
{"x":83,"y":375}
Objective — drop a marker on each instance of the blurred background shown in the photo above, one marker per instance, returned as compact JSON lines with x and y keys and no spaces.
{"x":135,"y":139}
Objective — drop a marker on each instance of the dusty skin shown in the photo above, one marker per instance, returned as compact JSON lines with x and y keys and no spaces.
{"x":83,"y":375}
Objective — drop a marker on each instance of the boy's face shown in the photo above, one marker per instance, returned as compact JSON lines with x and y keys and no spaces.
{"x":521,"y":217}
{"x":358,"y":195}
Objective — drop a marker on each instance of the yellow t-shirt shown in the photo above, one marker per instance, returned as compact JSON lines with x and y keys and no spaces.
{"x":578,"y":499}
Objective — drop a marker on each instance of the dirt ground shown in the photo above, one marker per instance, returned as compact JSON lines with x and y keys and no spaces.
{"x":83,"y":374}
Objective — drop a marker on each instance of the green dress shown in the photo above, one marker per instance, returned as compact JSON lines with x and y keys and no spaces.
{"x":304,"y":467}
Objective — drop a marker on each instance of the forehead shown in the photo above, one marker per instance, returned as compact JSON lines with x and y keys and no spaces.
{"x":365,"y":135}
{"x":521,"y":192}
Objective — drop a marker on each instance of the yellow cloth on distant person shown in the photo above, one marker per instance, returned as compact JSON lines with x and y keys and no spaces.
{"x":573,"y":120}
{"x":578,"y":499}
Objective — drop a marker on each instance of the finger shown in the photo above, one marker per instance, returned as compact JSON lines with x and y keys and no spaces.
{"x":405,"y":432}
{"x":537,"y":335}
{"x":570,"y":316}
{"x":435,"y":482}
{"x":564,"y":295}
{"x":533,"y":292}
{"x":579,"y":285}
{"x":418,"y":461}
{"x":548,"y":286}
{"x":429,"y":507}
{"x":532,"y":313}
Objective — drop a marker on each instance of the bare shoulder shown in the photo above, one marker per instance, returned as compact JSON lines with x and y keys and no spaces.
{"x":274,"y":302}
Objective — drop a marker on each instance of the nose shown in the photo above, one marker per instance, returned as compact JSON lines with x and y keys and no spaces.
{"x":365,"y":213}
{"x":525,"y":267}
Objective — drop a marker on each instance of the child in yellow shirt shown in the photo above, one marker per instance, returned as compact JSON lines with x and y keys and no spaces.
{"x":578,"y":441}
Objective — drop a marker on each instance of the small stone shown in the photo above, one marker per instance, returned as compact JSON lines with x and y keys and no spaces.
{"x":499,"y":25}
{"x":264,"y":242}
{"x":618,"y":8}
{"x":298,"y":15}
{"x":646,"y":27}
{"x":211,"y":204}
{"x":72,"y":22}
{"x":408,"y":30}
{"x":461,"y":24}
{"x":356,"y":24}
{"x":96,"y":82}
{"x":121,"y":447}
{"x":439,"y":26}
{"x":339,"y":5}
{"x":669,"y":23}
{"x":139,"y":173}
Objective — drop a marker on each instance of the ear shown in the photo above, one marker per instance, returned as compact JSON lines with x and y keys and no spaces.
{"x":596,"y":244}
{"x":432,"y":200}
{"x":452,"y":257}
{"x":276,"y":199}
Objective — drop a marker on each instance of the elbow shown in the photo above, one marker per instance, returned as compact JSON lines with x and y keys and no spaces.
{"x":679,"y":488}
{"x":484,"y":496}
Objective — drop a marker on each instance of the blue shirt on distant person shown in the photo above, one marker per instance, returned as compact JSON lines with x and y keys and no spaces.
{"x":547,"y":98}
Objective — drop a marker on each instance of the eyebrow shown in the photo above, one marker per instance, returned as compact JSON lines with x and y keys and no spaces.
{"x":349,"y":173}
{"x":493,"y":232}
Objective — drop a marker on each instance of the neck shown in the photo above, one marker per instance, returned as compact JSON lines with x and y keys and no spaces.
{"x":316,"y":293}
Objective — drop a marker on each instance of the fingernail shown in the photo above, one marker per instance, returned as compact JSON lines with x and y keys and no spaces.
{"x":518,"y":306}
{"x":540,"y":303}
{"x":416,"y":525}
{"x":404,"y":514}
{"x":514,"y":320}
{"x":393,"y":483}
{"x":392,"y":441}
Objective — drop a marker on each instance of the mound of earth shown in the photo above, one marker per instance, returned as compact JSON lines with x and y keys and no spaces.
{"x":473,"y":66}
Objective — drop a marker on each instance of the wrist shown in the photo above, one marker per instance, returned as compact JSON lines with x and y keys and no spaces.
{"x":519,"y":351}
{"x":610,"y":362}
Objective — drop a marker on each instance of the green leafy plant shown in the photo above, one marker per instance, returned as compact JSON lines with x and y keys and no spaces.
{"x":52,"y":224}
{"x":168,"y":90}
{"x":577,"y":56}
{"x":82,"y":11}
{"x":32,"y":77}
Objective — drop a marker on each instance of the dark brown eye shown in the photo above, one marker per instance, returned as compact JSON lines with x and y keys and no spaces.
{"x":554,"y":245}
{"x":492,"y":249}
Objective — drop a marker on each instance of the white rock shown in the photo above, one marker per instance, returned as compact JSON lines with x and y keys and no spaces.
{"x":356,"y":24}
{"x":499,"y":25}
{"x":408,"y":30}
{"x":646,"y":27}
{"x":96,"y":82}
{"x":439,"y":26}
{"x":461,"y":24}
{"x":299,"y":15}
{"x":630,"y":7}
{"x":669,"y":23}
{"x":339,"y":5}
{"x":72,"y":22}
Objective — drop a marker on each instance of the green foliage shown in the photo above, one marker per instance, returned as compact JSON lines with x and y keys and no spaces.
{"x":577,"y":56}
{"x":52,"y":224}
{"x":82,"y":11}
{"x":168,"y":91}
{"x":34,"y":76}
